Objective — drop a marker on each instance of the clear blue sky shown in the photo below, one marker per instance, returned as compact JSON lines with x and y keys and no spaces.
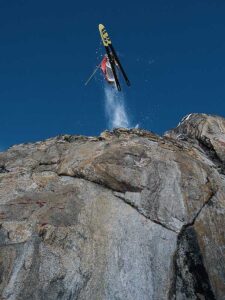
{"x":173,"y":52}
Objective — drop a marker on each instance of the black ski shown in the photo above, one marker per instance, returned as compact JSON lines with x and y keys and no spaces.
{"x":119,"y":64}
{"x":112,"y":63}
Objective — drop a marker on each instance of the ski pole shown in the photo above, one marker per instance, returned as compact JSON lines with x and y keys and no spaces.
{"x":92,"y":74}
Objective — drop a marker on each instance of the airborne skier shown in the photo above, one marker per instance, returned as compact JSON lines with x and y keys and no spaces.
{"x":110,"y":63}
{"x":107,"y":70}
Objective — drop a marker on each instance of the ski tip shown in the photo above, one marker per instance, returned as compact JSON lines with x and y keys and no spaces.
{"x":101,"y":26}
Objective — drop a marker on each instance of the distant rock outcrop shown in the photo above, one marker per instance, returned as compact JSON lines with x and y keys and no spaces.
{"x":127,"y":215}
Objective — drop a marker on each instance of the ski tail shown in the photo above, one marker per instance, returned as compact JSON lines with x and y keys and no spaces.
{"x":112,"y":63}
{"x":119,"y":64}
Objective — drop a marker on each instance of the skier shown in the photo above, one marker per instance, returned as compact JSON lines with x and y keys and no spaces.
{"x":110,"y":65}
{"x":107,"y":70}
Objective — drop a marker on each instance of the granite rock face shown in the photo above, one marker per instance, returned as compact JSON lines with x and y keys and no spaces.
{"x":127,"y":215}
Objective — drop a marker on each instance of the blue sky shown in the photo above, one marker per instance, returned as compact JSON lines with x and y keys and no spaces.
{"x":173,"y":52}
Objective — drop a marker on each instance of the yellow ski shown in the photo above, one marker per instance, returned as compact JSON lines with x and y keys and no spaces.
{"x":104,"y":35}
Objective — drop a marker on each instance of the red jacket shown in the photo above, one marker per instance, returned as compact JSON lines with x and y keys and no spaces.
{"x":103,"y":65}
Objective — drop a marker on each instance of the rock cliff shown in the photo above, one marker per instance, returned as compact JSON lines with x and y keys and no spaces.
{"x":126,"y":215}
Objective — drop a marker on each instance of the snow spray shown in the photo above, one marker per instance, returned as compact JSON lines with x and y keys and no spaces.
{"x":115,"y":109}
